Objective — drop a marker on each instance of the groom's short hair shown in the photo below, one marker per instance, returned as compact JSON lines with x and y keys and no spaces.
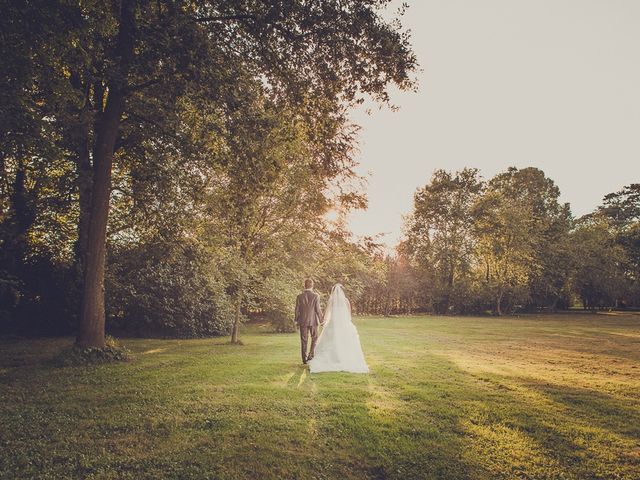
{"x":308,"y":283}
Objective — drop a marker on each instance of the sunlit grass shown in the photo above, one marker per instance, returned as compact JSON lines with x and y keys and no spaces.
{"x":532,"y":397}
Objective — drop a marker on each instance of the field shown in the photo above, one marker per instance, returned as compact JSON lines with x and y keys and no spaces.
{"x":536,"y":397}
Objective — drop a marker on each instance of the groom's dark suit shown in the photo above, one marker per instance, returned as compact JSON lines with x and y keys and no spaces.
{"x":308,"y":317}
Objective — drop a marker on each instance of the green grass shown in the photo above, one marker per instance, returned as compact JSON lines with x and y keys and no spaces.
{"x":531,"y":397}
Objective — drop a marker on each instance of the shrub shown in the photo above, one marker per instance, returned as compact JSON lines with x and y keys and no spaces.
{"x":111,"y":352}
{"x":166,"y":289}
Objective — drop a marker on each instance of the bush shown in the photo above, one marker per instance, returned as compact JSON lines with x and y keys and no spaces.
{"x":281,"y":322}
{"x":111,"y":352}
{"x":166,"y":289}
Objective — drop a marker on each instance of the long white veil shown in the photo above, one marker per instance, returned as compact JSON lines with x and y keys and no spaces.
{"x":338,"y":306}
{"x":338,"y":347}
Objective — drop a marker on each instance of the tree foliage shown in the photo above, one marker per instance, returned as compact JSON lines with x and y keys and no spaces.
{"x":196,"y":146}
{"x":508,"y":244}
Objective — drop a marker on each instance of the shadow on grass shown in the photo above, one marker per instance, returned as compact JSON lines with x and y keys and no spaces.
{"x":436,"y":421}
{"x":593,"y":407}
{"x":555,"y":431}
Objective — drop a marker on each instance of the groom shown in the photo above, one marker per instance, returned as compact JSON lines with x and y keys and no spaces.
{"x":308,"y":317}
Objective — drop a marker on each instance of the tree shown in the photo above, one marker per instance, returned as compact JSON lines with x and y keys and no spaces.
{"x":622,"y":209}
{"x":439,"y":232}
{"x":391,"y":286}
{"x":505,"y":253}
{"x":522,"y":236}
{"x":597,"y":278}
{"x":35,"y":208}
{"x":548,"y":228}
{"x":127,"y":64}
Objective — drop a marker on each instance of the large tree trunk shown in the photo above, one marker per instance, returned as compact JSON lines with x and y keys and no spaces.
{"x":92,"y":315}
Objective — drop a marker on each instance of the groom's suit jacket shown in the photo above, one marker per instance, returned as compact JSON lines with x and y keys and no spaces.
{"x":308,"y":312}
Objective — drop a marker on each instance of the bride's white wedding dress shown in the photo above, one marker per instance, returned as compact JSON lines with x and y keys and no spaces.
{"x":338,"y":348}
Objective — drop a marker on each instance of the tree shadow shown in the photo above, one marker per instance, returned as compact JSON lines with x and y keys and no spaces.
{"x":569,"y":431}
{"x":434,"y":420}
{"x":593,"y":407}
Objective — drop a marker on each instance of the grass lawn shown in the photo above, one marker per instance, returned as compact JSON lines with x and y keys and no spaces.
{"x":530,"y":397}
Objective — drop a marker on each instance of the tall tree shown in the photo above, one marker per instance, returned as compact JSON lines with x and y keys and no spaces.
{"x":522,"y":231}
{"x":622,"y":209}
{"x":440,"y":231}
{"x":548,"y":228}
{"x":505,"y":254}
{"x":597,"y":277}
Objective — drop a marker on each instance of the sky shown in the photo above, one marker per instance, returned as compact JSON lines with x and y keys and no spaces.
{"x":553,"y":84}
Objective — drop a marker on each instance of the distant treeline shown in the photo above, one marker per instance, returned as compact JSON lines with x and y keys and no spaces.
{"x":507,"y":245}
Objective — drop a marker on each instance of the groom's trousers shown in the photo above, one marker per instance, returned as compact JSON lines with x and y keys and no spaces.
{"x":305,"y":331}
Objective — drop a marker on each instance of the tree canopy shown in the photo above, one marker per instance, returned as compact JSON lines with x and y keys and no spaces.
{"x":180,"y":151}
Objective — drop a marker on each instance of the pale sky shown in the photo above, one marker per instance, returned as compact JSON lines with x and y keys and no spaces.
{"x":553,"y":84}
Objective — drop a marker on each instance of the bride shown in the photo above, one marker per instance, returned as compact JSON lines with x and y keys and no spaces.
{"x":338,"y":347}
